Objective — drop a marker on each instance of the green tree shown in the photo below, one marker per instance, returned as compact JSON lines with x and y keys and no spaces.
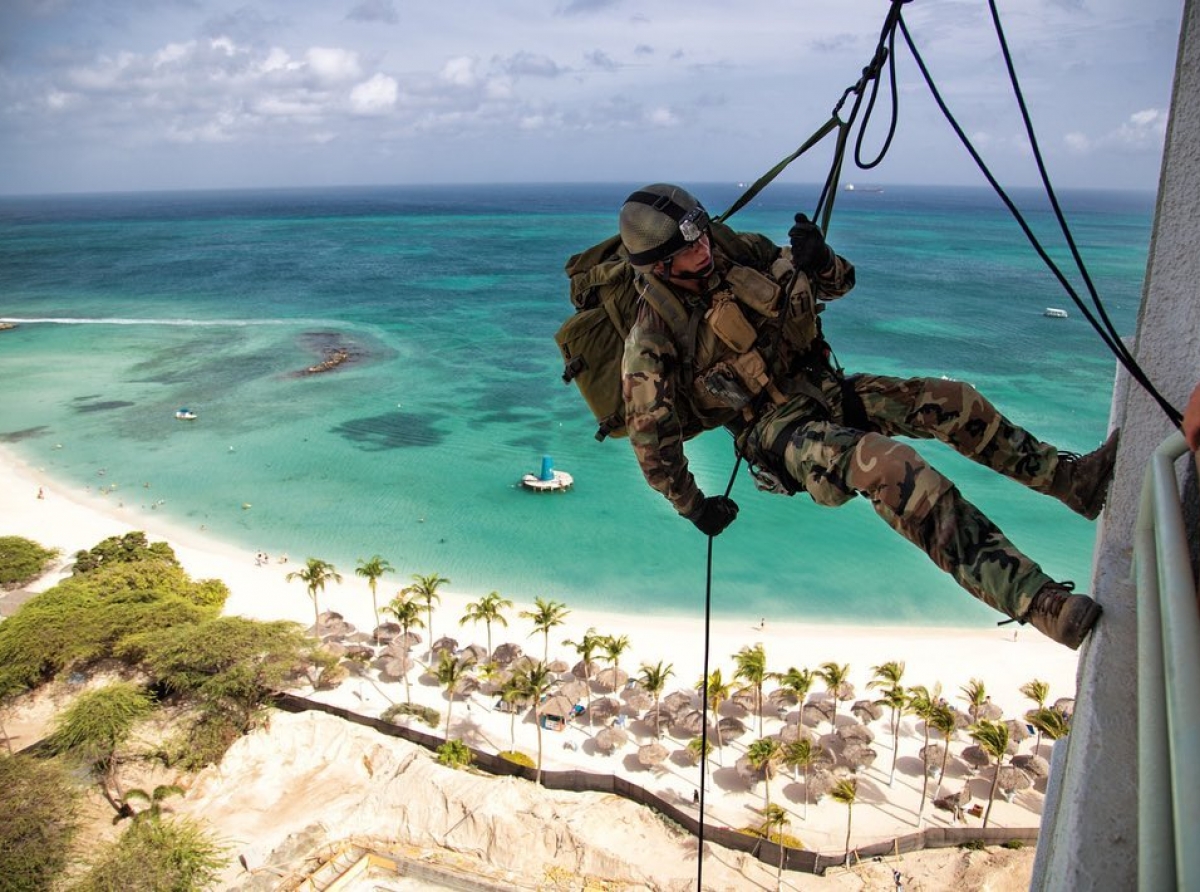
{"x":715,"y":691}
{"x":534,"y":683}
{"x":426,"y":588}
{"x":800,"y":753}
{"x":451,"y":672}
{"x":586,"y":647}
{"x":653,"y":680}
{"x":512,"y":692}
{"x":1049,"y":723}
{"x":765,"y":755}
{"x":895,"y":698}
{"x":845,"y":791}
{"x":1037,"y":691}
{"x":975,"y":694}
{"x":408,"y":614}
{"x":151,"y":856}
{"x":38,"y":801}
{"x":992,"y":737}
{"x":127,"y":549}
{"x":923,"y":703}
{"x":752,"y":669}
{"x":942,"y":720}
{"x":775,"y":818}
{"x":798,"y":683}
{"x":546,"y":616}
{"x":488,"y":609}
{"x":373,"y":569}
{"x":22,"y":561}
{"x":315,"y":576}
{"x":834,"y":675}
{"x":95,"y":727}
{"x":455,"y":754}
{"x":614,"y":647}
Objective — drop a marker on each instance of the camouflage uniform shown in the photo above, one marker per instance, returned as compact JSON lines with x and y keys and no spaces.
{"x":832,"y":438}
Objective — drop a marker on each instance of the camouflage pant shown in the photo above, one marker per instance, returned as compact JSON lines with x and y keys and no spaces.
{"x":834,"y":462}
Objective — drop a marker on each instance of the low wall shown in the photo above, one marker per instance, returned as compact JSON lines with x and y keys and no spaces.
{"x":765,"y":851}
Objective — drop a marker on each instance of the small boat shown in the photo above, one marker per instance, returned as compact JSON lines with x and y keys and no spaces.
{"x":185,"y":414}
{"x":1055,"y":313}
{"x":549,"y":480}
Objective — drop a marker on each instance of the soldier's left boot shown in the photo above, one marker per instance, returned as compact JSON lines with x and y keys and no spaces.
{"x":1081,"y":481}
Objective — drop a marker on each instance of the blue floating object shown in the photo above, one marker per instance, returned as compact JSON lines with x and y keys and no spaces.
{"x":547,"y":469}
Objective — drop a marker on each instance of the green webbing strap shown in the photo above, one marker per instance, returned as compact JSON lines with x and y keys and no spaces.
{"x":762,"y":182}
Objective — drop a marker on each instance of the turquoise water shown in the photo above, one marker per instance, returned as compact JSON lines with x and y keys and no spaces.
{"x":131,"y":306}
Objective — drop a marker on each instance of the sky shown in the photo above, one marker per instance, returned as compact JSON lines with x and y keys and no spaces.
{"x":132,"y":95}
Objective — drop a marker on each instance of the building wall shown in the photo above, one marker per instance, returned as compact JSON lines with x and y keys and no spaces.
{"x":1089,"y":834}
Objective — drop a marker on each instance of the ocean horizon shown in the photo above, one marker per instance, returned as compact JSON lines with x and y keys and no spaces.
{"x":130,"y":306}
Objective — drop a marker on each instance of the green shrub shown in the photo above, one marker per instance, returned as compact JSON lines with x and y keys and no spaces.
{"x":153,"y":855}
{"x":37,"y":800}
{"x":22,"y":561}
{"x":455,"y":753}
{"x":426,"y":714}
{"x":1015,"y":844}
{"x":972,"y":845}
{"x":518,"y":758}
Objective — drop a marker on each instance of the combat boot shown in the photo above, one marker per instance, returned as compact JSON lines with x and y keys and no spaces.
{"x":1081,"y":481}
{"x":1059,"y":614}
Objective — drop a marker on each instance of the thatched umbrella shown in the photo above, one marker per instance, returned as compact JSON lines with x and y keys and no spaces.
{"x":604,"y":708}
{"x":445,"y":643}
{"x":558,"y":667}
{"x":385,"y":632}
{"x":858,"y":756}
{"x":475,"y":653}
{"x":855,"y":733}
{"x":575,"y":689}
{"x":1065,"y":705}
{"x":362,"y":652}
{"x":731,"y":728}
{"x":610,"y":739}
{"x":818,"y":711}
{"x":933,"y":755}
{"x":1012,"y":780}
{"x":792,"y":733}
{"x":522,"y":663}
{"x":612,"y":677}
{"x":690,"y":721}
{"x":406,"y":640}
{"x":746,"y":699}
{"x":506,"y":653}
{"x":334,"y":647}
{"x":677,"y":701}
{"x":587,"y":672}
{"x":637,"y":699}
{"x":781,"y":698}
{"x":820,"y":782}
{"x":1018,"y":731}
{"x":558,"y":705}
{"x":393,"y":667}
{"x":1034,"y":766}
{"x":334,"y":625}
{"x":867,"y":711}
{"x":747,"y":772}
{"x":954,"y":802}
{"x":991,"y":712}
{"x":657,"y":718}
{"x":976,"y":756}
{"x":652,"y":754}
{"x":496,"y":680}
{"x":962,"y":721}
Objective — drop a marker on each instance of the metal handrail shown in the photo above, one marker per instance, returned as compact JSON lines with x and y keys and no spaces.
{"x":1168,"y":643}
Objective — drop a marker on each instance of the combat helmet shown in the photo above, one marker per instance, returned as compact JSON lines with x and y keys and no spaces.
{"x":658,"y":220}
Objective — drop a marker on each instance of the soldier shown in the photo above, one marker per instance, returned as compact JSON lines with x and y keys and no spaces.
{"x":753,"y":360}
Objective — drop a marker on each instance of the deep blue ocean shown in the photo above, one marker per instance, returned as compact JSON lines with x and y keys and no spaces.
{"x":130,"y":306}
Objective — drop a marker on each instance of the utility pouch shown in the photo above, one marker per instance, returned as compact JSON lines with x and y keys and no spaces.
{"x":754,"y":290}
{"x":722,"y":382}
{"x":728,"y":323}
{"x":766,"y":481}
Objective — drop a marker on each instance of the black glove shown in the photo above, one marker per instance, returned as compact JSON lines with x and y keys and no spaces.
{"x":810,"y":254}
{"x":713,"y":514}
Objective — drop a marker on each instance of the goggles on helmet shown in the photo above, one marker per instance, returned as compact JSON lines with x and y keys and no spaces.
{"x":693,"y":224}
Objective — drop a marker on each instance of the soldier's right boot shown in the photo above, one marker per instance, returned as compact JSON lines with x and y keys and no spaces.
{"x":1081,"y":481}
{"x":1061,"y":615}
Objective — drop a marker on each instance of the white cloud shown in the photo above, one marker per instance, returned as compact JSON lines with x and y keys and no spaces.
{"x":460,"y":71}
{"x":375,"y":96}
{"x":333,"y":65}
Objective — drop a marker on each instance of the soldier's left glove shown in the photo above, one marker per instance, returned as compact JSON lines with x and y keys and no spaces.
{"x":810,"y":254}
{"x":713,"y":514}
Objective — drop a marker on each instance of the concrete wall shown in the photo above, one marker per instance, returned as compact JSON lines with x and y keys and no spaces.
{"x":1089,"y":834}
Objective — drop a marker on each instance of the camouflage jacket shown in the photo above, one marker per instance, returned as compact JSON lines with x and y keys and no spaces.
{"x":669,"y":401}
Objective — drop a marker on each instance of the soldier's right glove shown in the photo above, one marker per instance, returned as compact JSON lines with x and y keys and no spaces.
{"x":713,"y":514}
{"x":810,"y":254}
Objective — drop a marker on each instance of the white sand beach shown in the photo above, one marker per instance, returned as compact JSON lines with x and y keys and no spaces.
{"x":291,"y":793}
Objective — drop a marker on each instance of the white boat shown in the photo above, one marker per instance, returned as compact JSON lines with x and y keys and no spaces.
{"x":1055,"y":313}
{"x":185,"y":414}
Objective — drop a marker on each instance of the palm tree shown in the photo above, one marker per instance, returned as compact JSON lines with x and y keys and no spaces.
{"x":372,"y":570}
{"x":315,"y":575}
{"x":1037,"y":691}
{"x":845,"y":791}
{"x":765,"y":755}
{"x":797,"y":682}
{"x":654,"y":681}
{"x":426,"y":588}
{"x":534,"y":683}
{"x":752,"y":669}
{"x":834,"y":676}
{"x":895,"y":698}
{"x":408,"y":614}
{"x":614,"y":646}
{"x":450,"y":672}
{"x":992,"y":737}
{"x":1048,"y":723}
{"x":153,"y":800}
{"x":487,"y":610}
{"x":922,"y":703}
{"x":715,"y":691}
{"x":800,"y":754}
{"x":775,"y":819}
{"x":976,"y":695}
{"x":545,"y":617}
{"x":942,"y":720}
{"x":586,"y":647}
{"x":512,"y":692}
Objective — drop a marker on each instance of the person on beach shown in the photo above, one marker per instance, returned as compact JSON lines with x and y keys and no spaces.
{"x":755,"y":362}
